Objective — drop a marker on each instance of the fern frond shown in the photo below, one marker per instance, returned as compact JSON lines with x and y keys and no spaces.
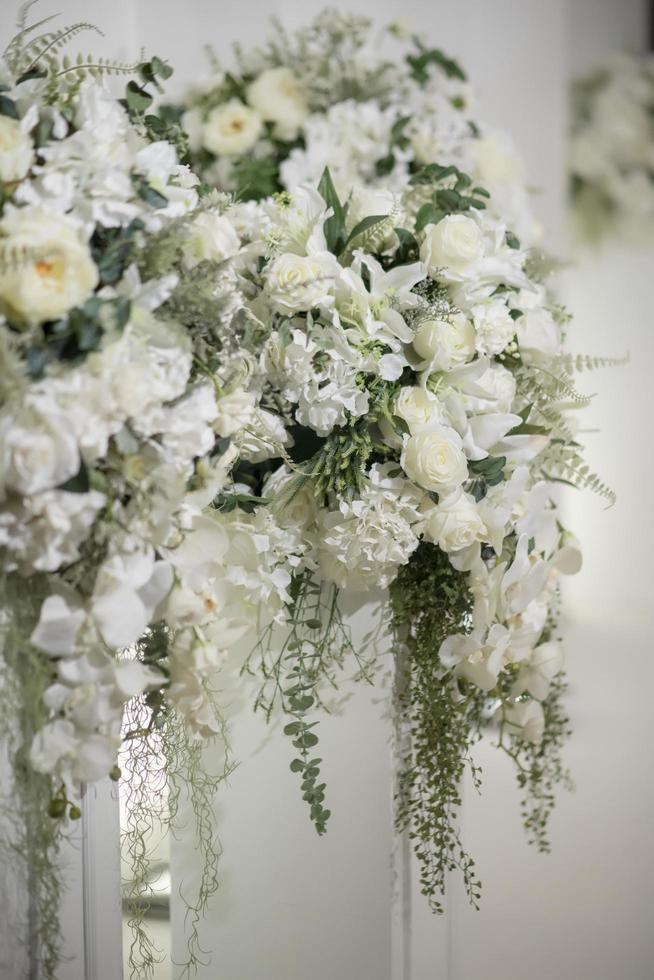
{"x":45,"y":46}
{"x":23,"y":11}
{"x":16,"y":44}
{"x":95,"y":67}
{"x":563,"y":463}
{"x":586,"y":362}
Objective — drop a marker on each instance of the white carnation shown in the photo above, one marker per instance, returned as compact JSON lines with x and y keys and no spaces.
{"x":494,"y":326}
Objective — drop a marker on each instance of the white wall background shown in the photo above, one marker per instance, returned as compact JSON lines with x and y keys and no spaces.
{"x":292,"y":906}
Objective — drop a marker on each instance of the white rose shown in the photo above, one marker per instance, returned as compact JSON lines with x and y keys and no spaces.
{"x":453,"y":244}
{"x":234,"y":412}
{"x":59,"y":276}
{"x":37,"y":453}
{"x":434,"y":459}
{"x":446,"y":344}
{"x":211,"y":237}
{"x":231,"y":129}
{"x":418,"y":407}
{"x":278,"y":98}
{"x":293,"y":502}
{"x":494,"y":326}
{"x":16,"y":150}
{"x":455,"y":523}
{"x":296,"y":283}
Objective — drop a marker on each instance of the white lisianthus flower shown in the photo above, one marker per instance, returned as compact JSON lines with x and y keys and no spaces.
{"x":278,"y":98}
{"x":231,"y":129}
{"x":434,"y":459}
{"x":494,"y":326}
{"x":446,"y":343}
{"x":61,"y":274}
{"x":16,"y":150}
{"x":526,"y":719}
{"x":211,"y":237}
{"x":418,"y":407}
{"x":297,"y":283}
{"x":234,"y":412}
{"x":454,"y":244}
{"x":455,"y":523}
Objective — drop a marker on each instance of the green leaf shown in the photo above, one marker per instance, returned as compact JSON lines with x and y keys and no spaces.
{"x":409,"y":248}
{"x":297,"y":765}
{"x":79,"y":483}
{"x":511,"y":240}
{"x":302,"y":703}
{"x":8,"y":107}
{"x":428,"y":214}
{"x":397,"y":132}
{"x":420,"y":63}
{"x":432,"y":173}
{"x":148,"y":194}
{"x":160,"y":68}
{"x":334,"y":226}
{"x":138,"y":100}
{"x":228,"y":502}
{"x":308,"y":740}
{"x":364,"y":225}
{"x":384,"y":165}
{"x":292,"y":728}
{"x":448,"y":200}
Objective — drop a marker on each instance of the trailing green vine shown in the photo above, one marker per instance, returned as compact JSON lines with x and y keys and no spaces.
{"x":430,"y":600}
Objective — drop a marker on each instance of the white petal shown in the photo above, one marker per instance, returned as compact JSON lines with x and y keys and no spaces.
{"x":57,"y":627}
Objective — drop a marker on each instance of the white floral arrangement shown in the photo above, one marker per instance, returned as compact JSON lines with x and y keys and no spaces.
{"x":612,"y":147}
{"x":340,"y":371}
{"x":119,"y":380}
{"x":372,"y":105}
{"x":415,"y":356}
